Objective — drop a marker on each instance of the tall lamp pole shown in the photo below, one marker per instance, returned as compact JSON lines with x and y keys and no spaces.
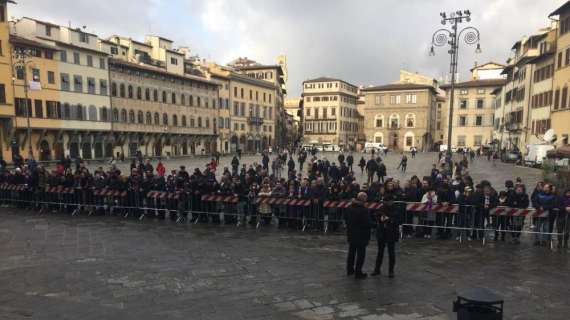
{"x":452,"y":37}
{"x":21,"y":62}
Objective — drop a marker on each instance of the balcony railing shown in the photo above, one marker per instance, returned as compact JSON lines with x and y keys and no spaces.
{"x":257,"y":121}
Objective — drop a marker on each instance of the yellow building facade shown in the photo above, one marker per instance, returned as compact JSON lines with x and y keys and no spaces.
{"x":6,"y":87}
{"x":560,"y":116}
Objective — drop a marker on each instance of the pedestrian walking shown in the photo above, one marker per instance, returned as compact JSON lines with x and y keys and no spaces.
{"x":386,"y":236}
{"x":362,"y":164}
{"x":350,"y":161}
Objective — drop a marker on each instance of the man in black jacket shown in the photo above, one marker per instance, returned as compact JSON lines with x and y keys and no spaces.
{"x":358,"y":235}
{"x":387,"y":234}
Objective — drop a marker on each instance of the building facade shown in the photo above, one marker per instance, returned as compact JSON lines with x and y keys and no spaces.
{"x":6,"y":86}
{"x":560,"y":117}
{"x":400,"y":116}
{"x":473,"y":113}
{"x":330,"y":115}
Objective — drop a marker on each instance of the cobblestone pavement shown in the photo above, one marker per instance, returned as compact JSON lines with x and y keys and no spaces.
{"x":421,"y":165}
{"x":60,"y":267}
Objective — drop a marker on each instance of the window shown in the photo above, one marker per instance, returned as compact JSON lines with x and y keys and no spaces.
{"x":114,"y":89}
{"x":411,"y":98}
{"x":556,"y":99}
{"x":155,"y":95}
{"x":77,"y":83}
{"x":479,"y":120}
{"x":199,"y":122}
{"x":130,"y":91}
{"x":477,"y":141}
{"x":48,"y":53}
{"x":36,"y":74}
{"x":139,"y":93}
{"x":173,"y":101}
{"x":241,"y":93}
{"x":480,"y":91}
{"x":173,"y":61}
{"x":51,"y":77}
{"x":2,"y":14}
{"x":89,"y":60}
{"x":463,"y":104}
{"x":63,"y":56}
{"x":564,"y":98}
{"x":114,"y":50}
{"x":165,"y":119}
{"x":103,"y":87}
{"x":39,"y":108}
{"x":379,"y":122}
{"x":76,"y":58}
{"x":462,"y":121}
{"x":52,"y":110}
{"x":156,"y":118}
{"x":409,"y":141}
{"x":463,"y":91}
{"x":23,"y":107}
{"x":163,"y":96}
{"x":83,"y":37}
{"x":91,"y":85}
{"x":377,"y":99}
{"x":480,"y":103}
{"x":131,"y":116}
{"x":461,"y":141}
{"x":394,"y":121}
{"x":410,"y":120}
{"x":147,"y":94}
{"x":184,"y":124}
{"x":175,"y":120}
{"x":2,"y":93}
{"x":20,"y":73}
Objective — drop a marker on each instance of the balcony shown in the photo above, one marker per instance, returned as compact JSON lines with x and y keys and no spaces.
{"x":256,"y":121}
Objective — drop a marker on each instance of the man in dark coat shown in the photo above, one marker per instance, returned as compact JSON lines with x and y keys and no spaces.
{"x":387,"y":235}
{"x":358,"y":234}
{"x":350,"y":161}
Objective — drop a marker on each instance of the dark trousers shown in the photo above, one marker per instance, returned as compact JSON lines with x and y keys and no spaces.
{"x":391,"y":255}
{"x":360,"y":253}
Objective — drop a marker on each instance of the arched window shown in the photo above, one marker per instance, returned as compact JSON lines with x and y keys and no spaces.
{"x":123,"y":115}
{"x":92,"y":113}
{"x":163,"y":96}
{"x":175,"y":120}
{"x":173,"y":98}
{"x":155,"y":95}
{"x":148,"y":118}
{"x":147,"y":94}
{"x":130,"y":91}
{"x":379,"y":137}
{"x":184,"y":124}
{"x":199,"y":122}
{"x":191,"y":100}
{"x":115,"y":115}
{"x":165,"y":119}
{"x":139,"y":93}
{"x":410,"y":120}
{"x":199,"y":102}
{"x":114,"y":89}
{"x":379,"y":121}
{"x":103,"y":114}
{"x":122,"y":90}
{"x":207,"y":122}
{"x":182,"y":99}
{"x":192,"y":123}
{"x":156,"y":119}
{"x":131,"y":116}
{"x":140,"y":117}
{"x":394,"y":121}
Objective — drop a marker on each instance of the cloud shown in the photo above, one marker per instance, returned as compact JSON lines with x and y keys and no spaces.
{"x":360,"y":41}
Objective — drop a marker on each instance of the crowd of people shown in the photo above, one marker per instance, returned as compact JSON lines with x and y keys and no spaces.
{"x":299,"y":175}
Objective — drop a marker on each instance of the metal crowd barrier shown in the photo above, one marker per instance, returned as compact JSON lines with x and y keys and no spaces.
{"x":415,"y":219}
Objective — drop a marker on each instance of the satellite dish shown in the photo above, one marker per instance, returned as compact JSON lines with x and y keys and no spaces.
{"x":549,"y":136}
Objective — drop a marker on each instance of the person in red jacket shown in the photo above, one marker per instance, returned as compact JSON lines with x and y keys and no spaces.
{"x":160,"y":169}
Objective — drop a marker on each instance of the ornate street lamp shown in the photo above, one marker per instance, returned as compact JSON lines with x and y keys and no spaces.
{"x":452,"y":37}
{"x":21,"y":59}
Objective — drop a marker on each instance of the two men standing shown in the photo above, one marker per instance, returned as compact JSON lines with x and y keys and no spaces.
{"x":359,"y":226}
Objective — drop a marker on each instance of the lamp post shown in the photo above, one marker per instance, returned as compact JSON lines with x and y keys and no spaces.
{"x":452,"y":37}
{"x":21,"y":60}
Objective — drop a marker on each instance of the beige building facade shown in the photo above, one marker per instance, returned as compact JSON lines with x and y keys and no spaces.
{"x":473,"y":113}
{"x":330,"y":114}
{"x":6,"y":87}
{"x":400,"y":116}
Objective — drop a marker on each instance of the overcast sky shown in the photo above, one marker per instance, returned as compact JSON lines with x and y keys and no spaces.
{"x":361,"y":41}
